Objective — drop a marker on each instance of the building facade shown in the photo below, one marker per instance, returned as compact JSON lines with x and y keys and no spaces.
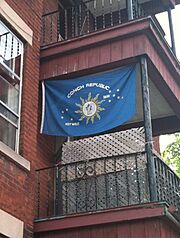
{"x":39,"y":180}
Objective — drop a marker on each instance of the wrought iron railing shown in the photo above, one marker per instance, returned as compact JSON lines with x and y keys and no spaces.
{"x":98,"y":184}
{"x":84,"y":17}
{"x":167,"y":183}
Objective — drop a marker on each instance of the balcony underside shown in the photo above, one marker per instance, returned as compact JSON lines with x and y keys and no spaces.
{"x":118,"y":46}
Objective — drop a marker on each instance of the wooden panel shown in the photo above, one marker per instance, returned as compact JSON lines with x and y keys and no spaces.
{"x":147,"y":228}
{"x":139,"y":44}
{"x":110,"y":231}
{"x":104,"y":54}
{"x":116,"y":51}
{"x":93,"y":57}
{"x":128,"y":48}
{"x":96,"y":231}
{"x":83,"y":59}
{"x":123,"y":230}
{"x":73,"y":62}
{"x":152,"y":228}
{"x":167,"y":231}
{"x":62,"y":67}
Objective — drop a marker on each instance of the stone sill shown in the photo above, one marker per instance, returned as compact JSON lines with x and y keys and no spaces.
{"x":14,"y":157}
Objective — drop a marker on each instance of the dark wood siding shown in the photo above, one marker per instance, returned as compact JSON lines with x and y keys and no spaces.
{"x":151,"y":220}
{"x":152,"y":228}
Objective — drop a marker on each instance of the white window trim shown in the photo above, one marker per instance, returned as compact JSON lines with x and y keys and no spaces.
{"x":13,"y":156}
{"x":10,"y":226}
{"x":16,"y":22}
{"x":20,"y":78}
{"x":20,"y":101}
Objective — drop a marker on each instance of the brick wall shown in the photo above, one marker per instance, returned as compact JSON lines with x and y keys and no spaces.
{"x":50,"y":6}
{"x":156,"y":144}
{"x":50,"y":22}
{"x":17,"y":187}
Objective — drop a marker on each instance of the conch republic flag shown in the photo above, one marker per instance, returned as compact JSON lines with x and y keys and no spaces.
{"x":89,"y":104}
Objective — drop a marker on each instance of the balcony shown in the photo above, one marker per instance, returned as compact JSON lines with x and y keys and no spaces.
{"x":103,"y":184}
{"x":77,"y":18}
{"x":103,"y":173}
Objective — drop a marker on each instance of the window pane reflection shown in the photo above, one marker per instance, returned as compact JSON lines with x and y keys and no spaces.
{"x":7,"y":133}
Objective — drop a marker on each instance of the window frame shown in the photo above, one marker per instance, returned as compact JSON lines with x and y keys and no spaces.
{"x":19,"y":79}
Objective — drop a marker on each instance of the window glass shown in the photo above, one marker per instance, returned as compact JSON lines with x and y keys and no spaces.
{"x":10,"y":49}
{"x":9,"y":94}
{"x":7,"y":133}
{"x":11,"y":53}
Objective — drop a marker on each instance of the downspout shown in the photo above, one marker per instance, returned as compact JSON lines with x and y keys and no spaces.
{"x":167,"y":214}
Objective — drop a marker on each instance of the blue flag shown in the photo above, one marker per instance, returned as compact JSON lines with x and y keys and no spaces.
{"x":90,"y":104}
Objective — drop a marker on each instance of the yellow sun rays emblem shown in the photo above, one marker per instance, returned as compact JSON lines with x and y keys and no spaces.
{"x":90,"y":108}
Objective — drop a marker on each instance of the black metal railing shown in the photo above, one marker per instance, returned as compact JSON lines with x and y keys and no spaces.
{"x":82,"y":17}
{"x":85,"y":17}
{"x":167,"y":183}
{"x":99,"y":184}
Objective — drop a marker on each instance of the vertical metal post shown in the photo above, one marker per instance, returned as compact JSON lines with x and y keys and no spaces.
{"x":129,"y":5}
{"x":148,"y":129}
{"x":58,"y":208}
{"x":171,"y":31}
{"x":76,"y":20}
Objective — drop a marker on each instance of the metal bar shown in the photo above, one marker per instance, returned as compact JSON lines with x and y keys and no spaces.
{"x":129,"y":5}
{"x":119,"y":12}
{"x":171,"y":217}
{"x":58,"y":191}
{"x":12,"y":46}
{"x":76,"y":21}
{"x":157,"y":169}
{"x":66,"y":24}
{"x":148,"y":128}
{"x":88,"y":18}
{"x":111,"y":14}
{"x":48,"y":194}
{"x":58,"y":27}
{"x":37,"y":170}
{"x":127,"y":180}
{"x":50,"y":13}
{"x":72,"y":22}
{"x":116,"y":181}
{"x":173,"y":46}
{"x":80,"y":19}
{"x":106,"y":182}
{"x":95,"y":186}
{"x":4,"y":34}
{"x":103,"y":15}
{"x":137,"y":178}
{"x":95,"y":17}
{"x":51,"y":30}
{"x":5,"y":47}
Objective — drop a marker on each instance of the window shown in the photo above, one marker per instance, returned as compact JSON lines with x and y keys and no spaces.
{"x":11,"y":58}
